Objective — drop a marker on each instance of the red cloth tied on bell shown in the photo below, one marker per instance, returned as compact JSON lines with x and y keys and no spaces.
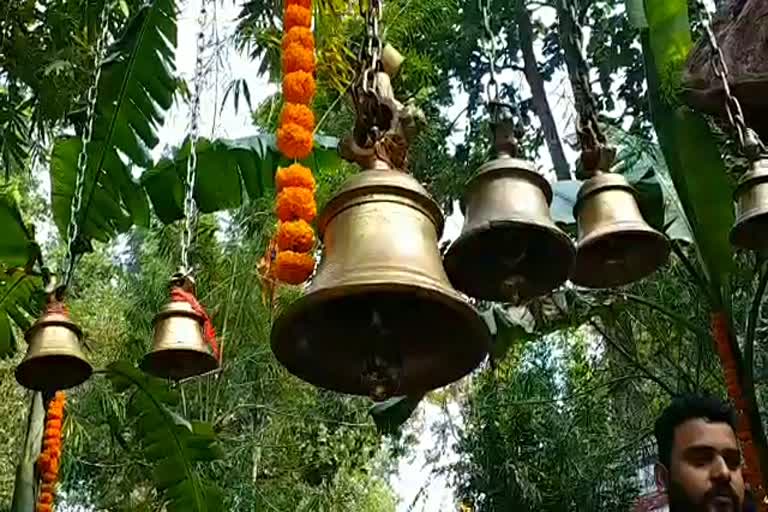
{"x":209,"y":331}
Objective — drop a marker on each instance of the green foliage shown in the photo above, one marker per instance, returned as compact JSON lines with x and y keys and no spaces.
{"x":17,"y":244}
{"x":168,"y":441}
{"x":136,"y":88}
{"x":20,"y":289}
{"x":536,"y":435}
{"x":225,"y":170}
{"x":20,"y":299}
{"x":692,"y":154}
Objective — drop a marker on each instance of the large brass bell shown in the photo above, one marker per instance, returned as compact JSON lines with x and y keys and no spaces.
{"x":509,"y":250}
{"x":616,"y":246}
{"x":179,"y":349}
{"x":380,"y":317}
{"x":54,"y":360}
{"x":751,"y":229}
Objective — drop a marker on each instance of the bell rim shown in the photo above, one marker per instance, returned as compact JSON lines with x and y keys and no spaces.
{"x":739,"y":235}
{"x":601,"y":183}
{"x":581,"y":277}
{"x":481,"y":336}
{"x":23,"y":375}
{"x":453,"y":261}
{"x":146,"y":366}
{"x":400,"y":184}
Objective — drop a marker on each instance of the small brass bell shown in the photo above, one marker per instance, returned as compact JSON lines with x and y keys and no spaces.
{"x":751,"y":228}
{"x":380,"y":317}
{"x":54,"y":360}
{"x":616,"y":246}
{"x":179,"y":348}
{"x":509,"y":250}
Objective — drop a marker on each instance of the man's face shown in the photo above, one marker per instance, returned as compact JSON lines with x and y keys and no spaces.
{"x":705,"y":469}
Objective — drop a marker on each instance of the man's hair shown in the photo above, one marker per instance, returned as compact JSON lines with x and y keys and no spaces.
{"x":684,"y":408}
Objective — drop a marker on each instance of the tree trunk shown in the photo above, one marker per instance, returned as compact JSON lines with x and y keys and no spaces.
{"x":540,"y":101}
{"x":24,"y":487}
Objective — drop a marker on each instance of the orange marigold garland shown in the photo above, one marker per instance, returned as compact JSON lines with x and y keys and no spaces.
{"x":295,"y":206}
{"x":294,"y":141}
{"x":299,"y":87}
{"x":300,"y":115}
{"x":297,"y":236}
{"x":294,"y":267}
{"x":295,"y":203}
{"x":295,"y":175}
{"x":296,"y":16}
{"x":299,"y":35}
{"x":49,"y":460}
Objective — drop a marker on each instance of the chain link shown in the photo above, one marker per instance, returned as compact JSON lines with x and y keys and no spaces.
{"x":596,"y":154}
{"x":492,"y":90}
{"x":194,"y":128}
{"x":748,"y":140}
{"x":372,"y":12}
{"x":73,"y":229}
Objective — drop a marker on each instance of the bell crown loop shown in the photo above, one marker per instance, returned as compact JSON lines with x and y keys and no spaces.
{"x":367,"y":183}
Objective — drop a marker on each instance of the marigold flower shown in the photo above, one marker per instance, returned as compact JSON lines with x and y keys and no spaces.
{"x":294,"y":267}
{"x":51,"y":488}
{"x":298,"y":58}
{"x":295,"y":175}
{"x":296,"y":16}
{"x":304,"y":3}
{"x":45,"y":498}
{"x":301,"y":36}
{"x":299,"y":87}
{"x":50,"y":477}
{"x":296,"y":113}
{"x":297,"y":236}
{"x":295,"y":203}
{"x":43,"y":507}
{"x":294,"y":142}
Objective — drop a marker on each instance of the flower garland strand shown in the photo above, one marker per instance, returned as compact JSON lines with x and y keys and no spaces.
{"x":295,"y":207}
{"x":752,"y":471}
{"x":50,"y":457}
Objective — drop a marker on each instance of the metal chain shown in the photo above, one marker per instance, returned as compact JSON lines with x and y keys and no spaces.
{"x":748,"y":140}
{"x":194,"y":127}
{"x":73,"y":229}
{"x":372,"y":12}
{"x":596,"y":154}
{"x":492,"y":90}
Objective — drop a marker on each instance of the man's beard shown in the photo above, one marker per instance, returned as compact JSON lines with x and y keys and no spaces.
{"x":679,"y":501}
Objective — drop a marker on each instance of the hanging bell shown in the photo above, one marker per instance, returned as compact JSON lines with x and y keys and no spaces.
{"x":179,"y":348}
{"x":54,"y":360}
{"x":509,"y":250}
{"x":380,"y":317}
{"x":616,"y":246}
{"x":751,"y":229}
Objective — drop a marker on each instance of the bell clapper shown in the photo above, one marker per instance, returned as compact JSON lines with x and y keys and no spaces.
{"x":383,"y":368}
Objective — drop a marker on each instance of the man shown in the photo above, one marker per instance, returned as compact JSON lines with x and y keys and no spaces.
{"x":699,"y":458}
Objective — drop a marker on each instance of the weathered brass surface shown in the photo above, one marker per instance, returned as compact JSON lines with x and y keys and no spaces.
{"x":509,"y":250}
{"x":179,"y":349}
{"x":380,"y":318}
{"x":616,"y":246}
{"x":751,"y":228}
{"x":54,"y":360}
